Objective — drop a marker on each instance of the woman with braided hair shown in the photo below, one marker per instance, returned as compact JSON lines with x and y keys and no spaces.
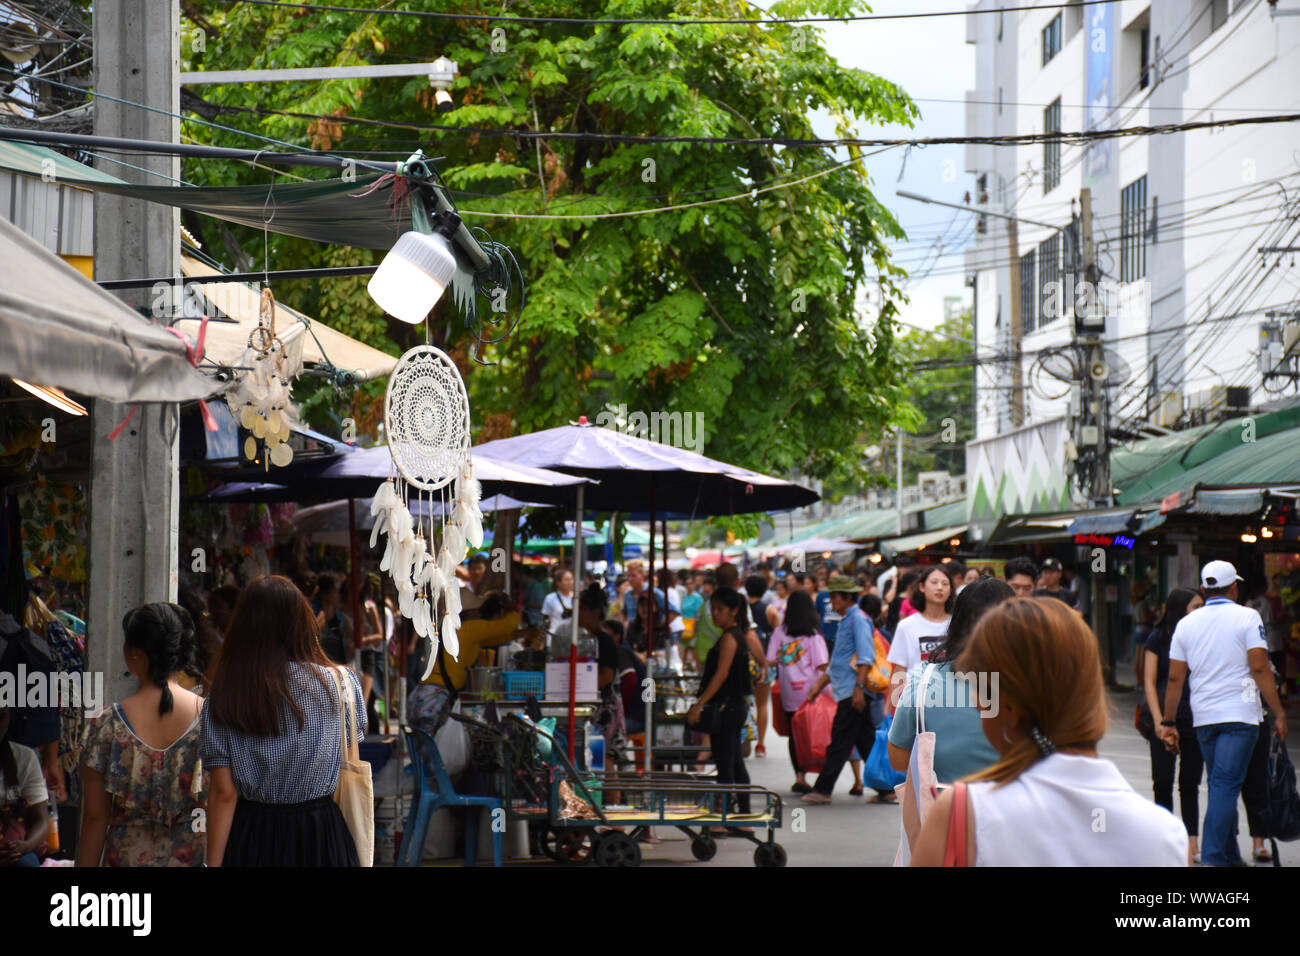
{"x":144,"y":791}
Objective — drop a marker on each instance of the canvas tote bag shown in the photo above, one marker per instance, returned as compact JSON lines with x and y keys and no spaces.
{"x":355,"y":793}
{"x":916,"y":794}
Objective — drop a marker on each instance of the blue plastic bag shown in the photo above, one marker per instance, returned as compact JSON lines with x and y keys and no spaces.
{"x":877,"y":773}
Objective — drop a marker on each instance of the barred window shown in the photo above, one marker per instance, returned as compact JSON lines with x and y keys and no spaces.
{"x":1049,"y":272}
{"x":1028,"y":293}
{"x":1052,"y":147}
{"x":1133,"y":228}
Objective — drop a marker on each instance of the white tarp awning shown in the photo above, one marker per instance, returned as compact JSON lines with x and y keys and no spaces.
{"x":241,"y":301}
{"x":59,"y":329}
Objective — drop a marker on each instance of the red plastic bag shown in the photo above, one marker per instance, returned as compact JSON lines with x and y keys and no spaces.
{"x":812,"y":731}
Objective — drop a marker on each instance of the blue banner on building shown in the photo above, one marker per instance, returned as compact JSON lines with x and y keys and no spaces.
{"x":1101,"y":43}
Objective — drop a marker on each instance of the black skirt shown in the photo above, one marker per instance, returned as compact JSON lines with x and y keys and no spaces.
{"x":313,"y":833}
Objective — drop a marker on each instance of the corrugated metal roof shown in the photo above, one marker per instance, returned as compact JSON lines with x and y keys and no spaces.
{"x":1224,"y":458}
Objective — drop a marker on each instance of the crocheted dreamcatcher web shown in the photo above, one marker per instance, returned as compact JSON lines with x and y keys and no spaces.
{"x":426,"y":418}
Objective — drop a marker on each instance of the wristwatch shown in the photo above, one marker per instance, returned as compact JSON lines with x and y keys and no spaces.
{"x":1168,"y":723}
{"x":862,"y":687}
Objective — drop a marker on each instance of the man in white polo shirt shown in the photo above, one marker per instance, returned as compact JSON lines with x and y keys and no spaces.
{"x":1222,"y":646}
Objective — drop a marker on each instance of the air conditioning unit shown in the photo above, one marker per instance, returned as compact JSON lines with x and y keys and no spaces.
{"x":1168,"y":411}
{"x":1237,"y":398}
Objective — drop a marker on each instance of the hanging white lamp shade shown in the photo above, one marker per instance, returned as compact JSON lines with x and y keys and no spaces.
{"x":412,"y":277}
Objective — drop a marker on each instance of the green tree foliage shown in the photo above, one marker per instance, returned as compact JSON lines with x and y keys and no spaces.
{"x":944,"y":397}
{"x":741,"y":309}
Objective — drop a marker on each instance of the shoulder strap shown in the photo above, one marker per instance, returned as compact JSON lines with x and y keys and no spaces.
{"x":955,"y":854}
{"x":345,"y":701}
{"x":919,"y":702}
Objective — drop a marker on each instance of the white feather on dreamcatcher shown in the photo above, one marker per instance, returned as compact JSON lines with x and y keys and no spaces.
{"x":426,"y":419}
{"x":260,"y":399}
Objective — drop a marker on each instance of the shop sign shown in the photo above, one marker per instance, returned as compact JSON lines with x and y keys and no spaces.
{"x":1105,"y":540}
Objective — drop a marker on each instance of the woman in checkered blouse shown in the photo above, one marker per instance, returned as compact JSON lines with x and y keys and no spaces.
{"x":271,"y":737}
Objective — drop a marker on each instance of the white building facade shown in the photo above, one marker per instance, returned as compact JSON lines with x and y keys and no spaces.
{"x":1199,"y":322}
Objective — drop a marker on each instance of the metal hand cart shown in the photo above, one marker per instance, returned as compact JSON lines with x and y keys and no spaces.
{"x":567,"y":806}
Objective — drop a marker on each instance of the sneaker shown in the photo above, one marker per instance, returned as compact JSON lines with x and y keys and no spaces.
{"x":760,"y":751}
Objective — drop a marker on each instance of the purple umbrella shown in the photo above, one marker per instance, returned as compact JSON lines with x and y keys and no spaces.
{"x":640,"y":475}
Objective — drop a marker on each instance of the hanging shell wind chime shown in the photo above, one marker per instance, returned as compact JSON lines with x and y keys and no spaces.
{"x":260,"y":401}
{"x":426,"y":418}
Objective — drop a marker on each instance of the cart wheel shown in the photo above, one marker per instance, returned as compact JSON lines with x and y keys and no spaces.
{"x":617,"y":849}
{"x":769,"y":854}
{"x":704,"y":847}
{"x":567,"y":844}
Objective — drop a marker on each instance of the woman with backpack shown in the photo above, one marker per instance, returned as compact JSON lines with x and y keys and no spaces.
{"x":1155,"y":677}
{"x":1049,"y":800}
{"x":798,"y":651}
{"x":959,"y":744}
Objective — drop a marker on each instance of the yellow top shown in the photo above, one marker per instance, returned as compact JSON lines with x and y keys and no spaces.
{"x":474,"y":636}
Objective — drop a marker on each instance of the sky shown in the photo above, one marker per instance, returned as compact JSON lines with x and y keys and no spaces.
{"x":930,"y":59}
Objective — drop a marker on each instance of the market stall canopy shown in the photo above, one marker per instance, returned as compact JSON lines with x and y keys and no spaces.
{"x":1105,"y":521}
{"x":328,"y":523}
{"x":591,"y":537}
{"x":913,"y":542}
{"x":358,"y":474}
{"x":637,"y":474}
{"x":816,"y":545}
{"x":333,"y":211}
{"x":323,"y":346}
{"x":60,"y":330}
{"x":1252,"y":451}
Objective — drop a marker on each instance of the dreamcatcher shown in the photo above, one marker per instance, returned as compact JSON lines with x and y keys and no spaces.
{"x":260,"y":400}
{"x":426,"y":418}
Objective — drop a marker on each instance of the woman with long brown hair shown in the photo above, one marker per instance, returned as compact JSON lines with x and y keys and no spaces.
{"x":1049,"y":800}
{"x":271,"y":734}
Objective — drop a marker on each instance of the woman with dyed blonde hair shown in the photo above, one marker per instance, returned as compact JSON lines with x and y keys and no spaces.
{"x":1049,"y":800}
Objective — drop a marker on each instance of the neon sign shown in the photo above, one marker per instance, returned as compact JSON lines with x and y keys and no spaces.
{"x":1105,"y":540}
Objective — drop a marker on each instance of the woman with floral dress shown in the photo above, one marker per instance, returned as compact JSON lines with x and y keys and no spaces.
{"x":143,"y":782}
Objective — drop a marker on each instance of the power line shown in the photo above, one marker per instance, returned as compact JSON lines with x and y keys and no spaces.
{"x":717,"y":21}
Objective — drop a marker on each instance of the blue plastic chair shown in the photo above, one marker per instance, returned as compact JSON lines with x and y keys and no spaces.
{"x":435,"y":793}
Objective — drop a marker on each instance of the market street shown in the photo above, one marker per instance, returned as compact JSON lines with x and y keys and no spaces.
{"x":854,"y":832}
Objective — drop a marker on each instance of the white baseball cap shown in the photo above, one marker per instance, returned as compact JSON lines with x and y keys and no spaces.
{"x":1219,"y":574}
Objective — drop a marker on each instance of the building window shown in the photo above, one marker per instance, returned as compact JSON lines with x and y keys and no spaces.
{"x":1028,"y":293}
{"x":1052,"y":147}
{"x":1144,"y":59}
{"x":1049,"y":278}
{"x":1218,"y":14}
{"x":1133,"y":228}
{"x":1052,"y":39}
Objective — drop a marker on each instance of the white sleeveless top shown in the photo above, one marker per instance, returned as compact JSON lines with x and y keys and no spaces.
{"x":1068,"y":810}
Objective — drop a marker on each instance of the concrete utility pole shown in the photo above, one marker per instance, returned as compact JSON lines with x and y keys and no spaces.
{"x":1017,"y":329}
{"x":134,"y":485}
{"x":1091,"y":434}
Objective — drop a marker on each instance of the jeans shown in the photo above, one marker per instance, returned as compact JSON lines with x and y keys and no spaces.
{"x":850,"y":728}
{"x":1227,"y":748}
{"x":1190,"y":765}
{"x":724,"y":739}
{"x":1254,"y":789}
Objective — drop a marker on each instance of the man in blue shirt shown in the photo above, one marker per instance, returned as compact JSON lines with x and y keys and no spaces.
{"x":858,"y":710}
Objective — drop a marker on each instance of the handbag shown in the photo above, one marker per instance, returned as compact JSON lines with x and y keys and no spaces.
{"x":811,"y":729}
{"x":355,"y":793}
{"x":780,"y":722}
{"x":878,"y":678}
{"x":917,"y":793}
{"x":876,"y":770}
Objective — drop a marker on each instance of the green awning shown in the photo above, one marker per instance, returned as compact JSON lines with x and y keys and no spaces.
{"x":1221,"y":456}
